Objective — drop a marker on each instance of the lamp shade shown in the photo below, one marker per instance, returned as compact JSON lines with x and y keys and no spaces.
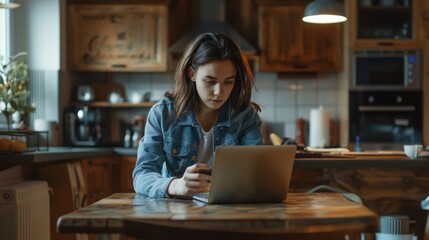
{"x":324,"y":11}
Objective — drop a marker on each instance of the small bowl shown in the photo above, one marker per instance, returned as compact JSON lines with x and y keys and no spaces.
{"x":135,"y":97}
{"x":115,"y":97}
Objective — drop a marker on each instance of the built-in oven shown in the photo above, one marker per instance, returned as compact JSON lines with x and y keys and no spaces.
{"x":385,"y":119}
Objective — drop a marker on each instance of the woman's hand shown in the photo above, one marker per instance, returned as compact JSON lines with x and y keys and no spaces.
{"x":192,"y":182}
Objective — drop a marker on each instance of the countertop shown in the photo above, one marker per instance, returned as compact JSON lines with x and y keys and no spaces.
{"x":55,"y":154}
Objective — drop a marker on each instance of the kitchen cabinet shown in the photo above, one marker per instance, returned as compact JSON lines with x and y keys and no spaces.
{"x":126,"y":37}
{"x":100,"y":176}
{"x":78,"y":68}
{"x":127,"y":167}
{"x":385,"y":24}
{"x":288,"y":44}
{"x":68,"y":188}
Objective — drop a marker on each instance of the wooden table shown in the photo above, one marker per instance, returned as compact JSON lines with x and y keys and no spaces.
{"x":301,"y":216}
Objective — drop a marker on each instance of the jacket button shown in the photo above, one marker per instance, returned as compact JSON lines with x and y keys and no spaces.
{"x":174,"y":151}
{"x":194,"y":158}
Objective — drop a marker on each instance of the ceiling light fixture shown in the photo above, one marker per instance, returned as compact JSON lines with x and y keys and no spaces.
{"x":9,"y":5}
{"x":324,"y":11}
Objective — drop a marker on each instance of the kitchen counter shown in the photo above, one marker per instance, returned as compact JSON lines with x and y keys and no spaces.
{"x":362,"y":162}
{"x":55,"y":154}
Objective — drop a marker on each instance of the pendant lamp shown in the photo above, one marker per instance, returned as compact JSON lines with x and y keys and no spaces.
{"x":324,"y":11}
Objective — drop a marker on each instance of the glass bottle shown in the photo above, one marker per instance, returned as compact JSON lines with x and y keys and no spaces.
{"x":135,"y":138}
{"x":127,"y":138}
{"x":357,"y":144}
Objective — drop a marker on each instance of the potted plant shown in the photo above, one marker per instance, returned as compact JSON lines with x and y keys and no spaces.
{"x":13,"y":92}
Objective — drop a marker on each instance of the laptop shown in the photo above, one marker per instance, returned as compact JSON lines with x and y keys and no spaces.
{"x":250,"y":174}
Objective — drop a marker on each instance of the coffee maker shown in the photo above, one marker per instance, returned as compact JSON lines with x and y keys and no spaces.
{"x":83,"y":127}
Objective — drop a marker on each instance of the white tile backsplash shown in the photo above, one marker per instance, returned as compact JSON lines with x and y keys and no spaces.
{"x":285,"y":84}
{"x":328,"y":97}
{"x":286,"y":97}
{"x":308,"y":97}
{"x":265,"y":80}
{"x":285,"y":114}
{"x":290,"y":130}
{"x":309,"y":84}
{"x":304,"y":111}
{"x":268,"y":114}
{"x":265,"y":97}
{"x":279,"y":102}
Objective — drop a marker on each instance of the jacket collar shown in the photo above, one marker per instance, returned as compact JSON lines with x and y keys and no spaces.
{"x":190,"y":118}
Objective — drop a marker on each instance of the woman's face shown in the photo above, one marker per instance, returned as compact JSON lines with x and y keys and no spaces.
{"x":214,"y":82}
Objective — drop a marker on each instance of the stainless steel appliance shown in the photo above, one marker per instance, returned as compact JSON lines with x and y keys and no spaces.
{"x":385,"y":119}
{"x":84,"y":127}
{"x":386,"y":69}
{"x":85,"y":93}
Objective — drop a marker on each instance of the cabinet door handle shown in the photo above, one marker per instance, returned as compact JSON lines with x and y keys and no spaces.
{"x":385,"y":43}
{"x":386,"y":108}
{"x":300,"y":66}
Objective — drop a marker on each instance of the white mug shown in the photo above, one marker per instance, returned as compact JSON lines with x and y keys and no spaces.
{"x":413,"y":151}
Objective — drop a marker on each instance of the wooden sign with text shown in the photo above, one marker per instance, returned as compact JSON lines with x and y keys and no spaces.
{"x":119,"y":38}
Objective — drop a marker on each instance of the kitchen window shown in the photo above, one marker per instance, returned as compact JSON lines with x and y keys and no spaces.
{"x":4,"y":33}
{"x":4,"y":43}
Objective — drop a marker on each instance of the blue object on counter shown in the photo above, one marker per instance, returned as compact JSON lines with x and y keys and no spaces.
{"x":357,"y":144}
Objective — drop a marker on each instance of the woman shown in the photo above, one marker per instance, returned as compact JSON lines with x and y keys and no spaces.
{"x":210,"y":106}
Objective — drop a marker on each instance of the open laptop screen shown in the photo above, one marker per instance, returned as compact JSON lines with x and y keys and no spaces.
{"x":249,"y":174}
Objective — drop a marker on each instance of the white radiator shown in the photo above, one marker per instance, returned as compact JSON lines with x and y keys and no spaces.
{"x":24,"y":211}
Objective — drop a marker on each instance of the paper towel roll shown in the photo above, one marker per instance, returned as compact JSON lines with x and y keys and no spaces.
{"x":319,"y":127}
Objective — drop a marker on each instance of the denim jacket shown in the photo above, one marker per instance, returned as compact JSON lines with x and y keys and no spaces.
{"x":170,"y":144}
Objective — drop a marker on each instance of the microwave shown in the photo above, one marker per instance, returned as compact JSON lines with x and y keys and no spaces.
{"x":386,"y":70}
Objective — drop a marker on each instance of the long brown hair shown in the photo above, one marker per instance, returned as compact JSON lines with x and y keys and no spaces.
{"x":203,"y":49}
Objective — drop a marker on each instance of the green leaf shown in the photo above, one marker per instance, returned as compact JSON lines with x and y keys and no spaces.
{"x":13,"y":104}
{"x":29,"y":109}
{"x":14,"y":73}
{"x":3,"y":95}
{"x":7,"y":98}
{"x":12,"y":58}
{"x":23,"y":95}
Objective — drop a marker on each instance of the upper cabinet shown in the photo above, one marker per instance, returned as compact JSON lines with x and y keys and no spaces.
{"x":106,"y":37}
{"x":124,"y":36}
{"x":385,"y":24}
{"x":288,"y":44}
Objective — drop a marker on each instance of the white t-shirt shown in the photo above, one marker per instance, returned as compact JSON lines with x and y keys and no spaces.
{"x":205,"y":151}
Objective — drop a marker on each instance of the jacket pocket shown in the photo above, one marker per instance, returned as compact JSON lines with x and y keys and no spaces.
{"x":177,"y":157}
